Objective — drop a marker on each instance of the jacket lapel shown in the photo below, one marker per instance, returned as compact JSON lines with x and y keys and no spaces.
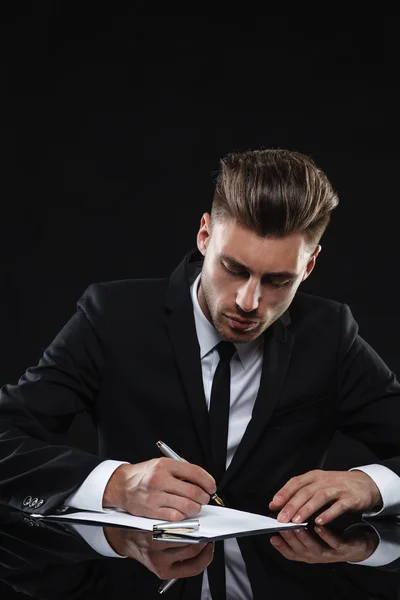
{"x":181,"y":329}
{"x":278,"y":344}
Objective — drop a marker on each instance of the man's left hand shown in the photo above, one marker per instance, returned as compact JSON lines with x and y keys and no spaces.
{"x":343,"y":491}
{"x":301,"y":545}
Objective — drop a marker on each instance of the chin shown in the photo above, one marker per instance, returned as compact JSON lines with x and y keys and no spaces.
{"x":238,"y":337}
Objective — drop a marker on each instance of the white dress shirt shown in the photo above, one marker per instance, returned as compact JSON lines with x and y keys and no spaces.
{"x":246,"y":367}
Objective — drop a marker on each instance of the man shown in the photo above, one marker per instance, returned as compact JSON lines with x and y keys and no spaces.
{"x":142,"y":355}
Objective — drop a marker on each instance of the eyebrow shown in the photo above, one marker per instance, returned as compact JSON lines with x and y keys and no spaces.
{"x":270,"y":275}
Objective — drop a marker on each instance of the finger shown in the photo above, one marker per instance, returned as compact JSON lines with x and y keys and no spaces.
{"x":308,"y":504}
{"x":157,"y":507}
{"x":283,"y":547}
{"x":193,"y":566}
{"x":291,"y":509}
{"x":141,"y":539}
{"x":293,"y":541}
{"x":183,"y":505}
{"x":173,"y":555}
{"x":277,"y":540}
{"x":336,"y":510}
{"x":330,"y":538}
{"x":164,"y":506}
{"x":290,"y":488}
{"x":186,"y":490}
{"x":192,"y":473}
{"x":161,"y":544}
{"x":167,"y":514}
{"x":313,"y":545}
{"x":180,"y":508}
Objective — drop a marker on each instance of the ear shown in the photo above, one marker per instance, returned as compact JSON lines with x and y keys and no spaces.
{"x":204,"y":233}
{"x":311,"y":262}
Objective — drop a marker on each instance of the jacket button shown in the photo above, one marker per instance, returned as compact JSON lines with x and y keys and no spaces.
{"x":39,"y":503}
{"x":26,"y":501}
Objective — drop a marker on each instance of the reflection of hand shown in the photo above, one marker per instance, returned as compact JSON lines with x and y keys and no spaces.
{"x":159,"y":489}
{"x":306,"y":494}
{"x":166,"y":560}
{"x":301,"y":545}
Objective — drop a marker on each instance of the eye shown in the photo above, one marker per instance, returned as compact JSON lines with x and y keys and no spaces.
{"x":234,"y":272}
{"x":280,"y":284}
{"x":237,"y":273}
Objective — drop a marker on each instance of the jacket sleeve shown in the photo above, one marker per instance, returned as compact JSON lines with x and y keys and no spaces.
{"x":35,"y":474}
{"x":369,"y":396}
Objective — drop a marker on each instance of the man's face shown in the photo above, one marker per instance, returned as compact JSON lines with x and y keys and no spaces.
{"x":248,"y":281}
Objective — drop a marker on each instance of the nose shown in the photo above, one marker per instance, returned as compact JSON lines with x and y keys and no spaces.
{"x":248,"y":296}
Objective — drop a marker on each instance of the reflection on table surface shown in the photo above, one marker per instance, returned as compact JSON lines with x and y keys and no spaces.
{"x":352,"y":558}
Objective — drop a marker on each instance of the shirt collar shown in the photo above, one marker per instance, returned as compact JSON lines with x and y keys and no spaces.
{"x":208,"y":336}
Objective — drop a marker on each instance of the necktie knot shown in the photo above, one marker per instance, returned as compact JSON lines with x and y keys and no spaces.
{"x":226,"y":350}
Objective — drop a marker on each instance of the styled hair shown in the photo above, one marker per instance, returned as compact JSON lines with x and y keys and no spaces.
{"x":274,"y":193}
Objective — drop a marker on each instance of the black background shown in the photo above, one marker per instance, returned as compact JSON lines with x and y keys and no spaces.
{"x":113,"y":123}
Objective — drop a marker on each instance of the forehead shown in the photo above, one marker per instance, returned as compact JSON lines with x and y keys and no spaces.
{"x":260,"y":254}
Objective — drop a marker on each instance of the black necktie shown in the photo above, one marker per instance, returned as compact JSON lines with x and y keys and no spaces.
{"x":219,"y":408}
{"x":216,"y":573}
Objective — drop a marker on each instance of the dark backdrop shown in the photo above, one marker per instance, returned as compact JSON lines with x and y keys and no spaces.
{"x":112,"y":127}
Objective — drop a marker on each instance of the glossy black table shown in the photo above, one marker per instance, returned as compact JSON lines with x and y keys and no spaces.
{"x":53,"y":560}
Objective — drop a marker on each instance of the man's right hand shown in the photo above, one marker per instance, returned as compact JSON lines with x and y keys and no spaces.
{"x":166,"y":560}
{"x":159,"y":489}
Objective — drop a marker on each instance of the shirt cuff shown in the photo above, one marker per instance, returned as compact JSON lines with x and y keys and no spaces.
{"x":385,"y":553}
{"x":89,"y":496}
{"x":388,"y":484}
{"x":94,"y":536}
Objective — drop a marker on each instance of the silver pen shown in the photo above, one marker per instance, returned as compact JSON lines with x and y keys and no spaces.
{"x":166,"y":585}
{"x":169,"y":453}
{"x":187,"y":526}
{"x":173,"y":539}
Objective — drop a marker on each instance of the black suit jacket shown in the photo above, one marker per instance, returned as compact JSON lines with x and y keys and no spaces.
{"x":130,"y":356}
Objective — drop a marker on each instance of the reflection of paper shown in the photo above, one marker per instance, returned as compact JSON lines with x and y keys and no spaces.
{"x":215,"y":521}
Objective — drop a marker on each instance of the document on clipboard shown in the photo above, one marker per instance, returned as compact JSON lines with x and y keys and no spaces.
{"x":212,"y":522}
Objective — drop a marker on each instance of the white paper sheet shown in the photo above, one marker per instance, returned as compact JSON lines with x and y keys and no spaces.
{"x":215,"y":521}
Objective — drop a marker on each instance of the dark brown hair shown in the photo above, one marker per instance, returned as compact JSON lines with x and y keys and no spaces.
{"x":274,"y":193}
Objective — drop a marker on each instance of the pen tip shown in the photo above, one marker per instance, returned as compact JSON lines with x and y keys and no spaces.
{"x":218,"y":500}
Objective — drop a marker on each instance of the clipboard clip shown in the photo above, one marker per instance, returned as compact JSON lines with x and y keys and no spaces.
{"x":177,"y":527}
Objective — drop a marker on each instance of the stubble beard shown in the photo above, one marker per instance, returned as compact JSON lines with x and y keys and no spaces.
{"x":220,"y":322}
